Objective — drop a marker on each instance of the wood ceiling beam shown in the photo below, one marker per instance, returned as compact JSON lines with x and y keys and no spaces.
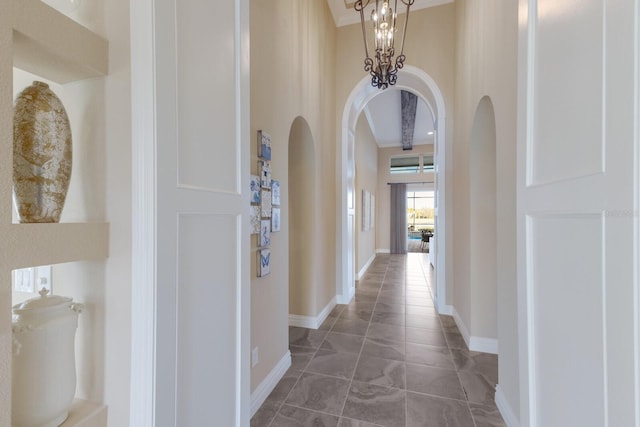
{"x":408,"y":103}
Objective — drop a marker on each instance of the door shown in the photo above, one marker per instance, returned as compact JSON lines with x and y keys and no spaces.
{"x":578,"y":212}
{"x":197,"y":341}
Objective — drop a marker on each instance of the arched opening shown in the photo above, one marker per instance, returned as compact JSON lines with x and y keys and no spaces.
{"x":482,"y":217}
{"x":417,"y":81}
{"x":302,"y":218}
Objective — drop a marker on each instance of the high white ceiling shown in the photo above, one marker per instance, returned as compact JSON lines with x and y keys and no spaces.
{"x":384,"y":116}
{"x":344,"y":13}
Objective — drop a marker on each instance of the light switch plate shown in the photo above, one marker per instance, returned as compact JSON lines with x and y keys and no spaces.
{"x":32,"y":279}
{"x":23,"y":280}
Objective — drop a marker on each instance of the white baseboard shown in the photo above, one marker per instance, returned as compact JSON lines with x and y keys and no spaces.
{"x":383,"y":251}
{"x":484,"y":345}
{"x":312,"y":322}
{"x":366,"y":266}
{"x":505,"y":409}
{"x":447,"y":310}
{"x":461,"y":326}
{"x":302,"y":321}
{"x":346,"y":299}
{"x":270,"y":382}
{"x":325,"y":312}
{"x":481,"y":344}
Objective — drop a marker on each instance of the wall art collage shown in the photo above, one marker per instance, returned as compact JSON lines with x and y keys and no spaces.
{"x":265,"y":204}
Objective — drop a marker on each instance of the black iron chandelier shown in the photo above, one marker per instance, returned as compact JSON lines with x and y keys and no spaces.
{"x":382,"y":68}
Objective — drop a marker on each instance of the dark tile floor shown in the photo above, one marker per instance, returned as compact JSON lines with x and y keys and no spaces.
{"x":385,"y":360}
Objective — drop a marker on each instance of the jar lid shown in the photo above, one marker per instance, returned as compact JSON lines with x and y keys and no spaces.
{"x":44,"y":302}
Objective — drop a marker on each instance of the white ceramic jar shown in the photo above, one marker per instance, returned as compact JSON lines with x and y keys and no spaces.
{"x":44,"y":372}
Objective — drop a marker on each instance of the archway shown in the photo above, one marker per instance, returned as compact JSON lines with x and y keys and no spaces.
{"x":417,"y":81}
{"x":302,"y":212}
{"x":482,"y":229}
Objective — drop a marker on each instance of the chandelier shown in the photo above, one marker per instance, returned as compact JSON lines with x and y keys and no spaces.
{"x":381,"y":67}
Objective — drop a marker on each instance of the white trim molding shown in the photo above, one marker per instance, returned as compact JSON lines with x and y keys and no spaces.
{"x":363,"y":270}
{"x":383,"y":251}
{"x":483,"y":345}
{"x":312,"y":322}
{"x":270,"y":382}
{"x":445,"y":309}
{"x":143,"y":238}
{"x":464,"y":331}
{"x":505,"y":409}
{"x":302,"y":321}
{"x":480,"y":344}
{"x":346,"y":299}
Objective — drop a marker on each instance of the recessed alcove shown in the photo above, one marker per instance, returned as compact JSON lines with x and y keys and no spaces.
{"x":49,"y":46}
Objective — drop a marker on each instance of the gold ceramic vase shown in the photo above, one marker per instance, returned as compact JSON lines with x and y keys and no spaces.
{"x":42,"y":154}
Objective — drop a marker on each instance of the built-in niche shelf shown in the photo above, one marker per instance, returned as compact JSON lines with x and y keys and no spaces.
{"x":86,"y":414}
{"x":45,"y":244}
{"x":51,"y":45}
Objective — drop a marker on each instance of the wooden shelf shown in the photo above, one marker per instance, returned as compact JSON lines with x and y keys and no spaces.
{"x":51,"y":45}
{"x":44,"y":244}
{"x":86,"y":414}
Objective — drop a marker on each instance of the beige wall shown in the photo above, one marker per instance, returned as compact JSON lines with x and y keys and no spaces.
{"x":487,"y":65}
{"x":292,"y":74}
{"x":302,"y":220}
{"x":366,"y":155}
{"x":482,"y":213}
{"x":430,"y":46}
{"x":384,"y":208}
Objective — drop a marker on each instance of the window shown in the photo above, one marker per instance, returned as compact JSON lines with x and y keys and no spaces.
{"x":420,"y":210}
{"x":411,"y":164}
{"x":405,"y":164}
{"x":427,"y":163}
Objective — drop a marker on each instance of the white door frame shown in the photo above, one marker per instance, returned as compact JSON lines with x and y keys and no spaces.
{"x":143,"y":228}
{"x":417,"y":81}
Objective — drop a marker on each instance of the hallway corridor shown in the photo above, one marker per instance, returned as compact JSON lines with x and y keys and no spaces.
{"x":387,"y":359}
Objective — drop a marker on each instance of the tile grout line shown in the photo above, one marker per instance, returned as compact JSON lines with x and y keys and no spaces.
{"x":404,"y":362}
{"x":302,"y":371}
{"x":404,"y":288}
{"x":428,"y":285}
{"x":468,"y":404}
{"x":406,"y":301}
{"x":363,"y":343}
{"x":312,"y":410}
{"x":407,"y":269}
